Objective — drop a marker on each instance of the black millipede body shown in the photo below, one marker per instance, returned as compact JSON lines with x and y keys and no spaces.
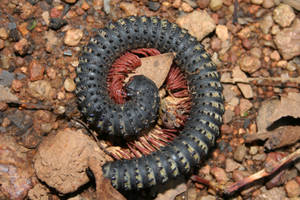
{"x":140,"y":111}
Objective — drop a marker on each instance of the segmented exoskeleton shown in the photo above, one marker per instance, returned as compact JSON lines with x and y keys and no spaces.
{"x":140,"y":111}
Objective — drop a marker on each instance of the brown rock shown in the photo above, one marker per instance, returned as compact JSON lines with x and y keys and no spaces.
{"x":66,"y":171}
{"x":268,"y":3}
{"x":283,"y":15}
{"x":288,"y":41}
{"x":240,"y":153}
{"x":219,"y":174}
{"x":228,"y":115}
{"x":2,"y":45}
{"x":23,"y":28}
{"x":215,"y":4}
{"x":231,"y":165}
{"x":245,"y":88}
{"x":41,"y":89}
{"x":198,"y":23}
{"x":176,"y":4}
{"x":51,"y":73}
{"x":129,"y":8}
{"x":85,"y":5}
{"x":293,"y":3}
{"x":69,"y":85}
{"x":249,"y":64}
{"x":203,"y":3}
{"x":3,"y":106}
{"x":222,"y":32}
{"x":186,"y":7}
{"x":27,"y":10}
{"x":22,"y":47}
{"x":16,"y":170}
{"x":73,"y":37}
{"x":3,"y":33}
{"x":16,"y":85}
{"x":275,"y":56}
{"x":292,"y":189}
{"x":6,"y":95}
{"x":266,"y":23}
{"x":36,"y":71}
{"x":216,"y":44}
{"x":97,"y":4}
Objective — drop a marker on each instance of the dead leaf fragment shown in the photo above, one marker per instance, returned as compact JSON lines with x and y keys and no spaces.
{"x":280,"y":137}
{"x":105,"y":190}
{"x":155,"y":68}
{"x":273,"y":110}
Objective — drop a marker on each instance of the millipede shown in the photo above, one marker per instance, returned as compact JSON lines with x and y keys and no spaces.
{"x":140,"y":110}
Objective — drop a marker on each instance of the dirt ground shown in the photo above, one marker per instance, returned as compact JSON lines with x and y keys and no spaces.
{"x":46,"y":150}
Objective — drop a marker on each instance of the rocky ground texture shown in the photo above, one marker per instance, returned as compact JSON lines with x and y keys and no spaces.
{"x":45,"y":152}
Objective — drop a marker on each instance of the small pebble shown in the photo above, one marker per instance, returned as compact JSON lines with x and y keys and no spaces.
{"x":69,"y":85}
{"x":249,"y":64}
{"x":283,"y":15}
{"x":216,"y":4}
{"x":128,"y":8}
{"x":154,"y":6}
{"x":22,"y":47}
{"x":57,"y":23}
{"x":176,"y":4}
{"x":23,"y":28}
{"x":292,"y":188}
{"x":16,"y":85}
{"x":266,"y":23}
{"x":3,"y":106}
{"x":275,"y":56}
{"x":85,"y":5}
{"x":259,"y":157}
{"x":253,"y":150}
{"x":258,"y":2}
{"x":73,"y":37}
{"x":2,"y":45}
{"x":268,"y":4}
{"x":198,"y":23}
{"x":219,"y":174}
{"x":3,"y":33}
{"x":222,"y":32}
{"x":240,"y":153}
{"x":36,"y":71}
{"x":275,"y":29}
{"x":40,"y":89}
{"x":203,"y":3}
{"x":186,"y":7}
{"x":291,"y":66}
{"x":286,"y":39}
{"x":14,"y":35}
{"x":231,"y":165}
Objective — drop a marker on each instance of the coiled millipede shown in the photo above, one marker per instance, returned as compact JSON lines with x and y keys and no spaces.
{"x":140,"y":111}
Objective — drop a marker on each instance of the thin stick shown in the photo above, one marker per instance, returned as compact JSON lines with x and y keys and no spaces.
{"x":263,"y":173}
